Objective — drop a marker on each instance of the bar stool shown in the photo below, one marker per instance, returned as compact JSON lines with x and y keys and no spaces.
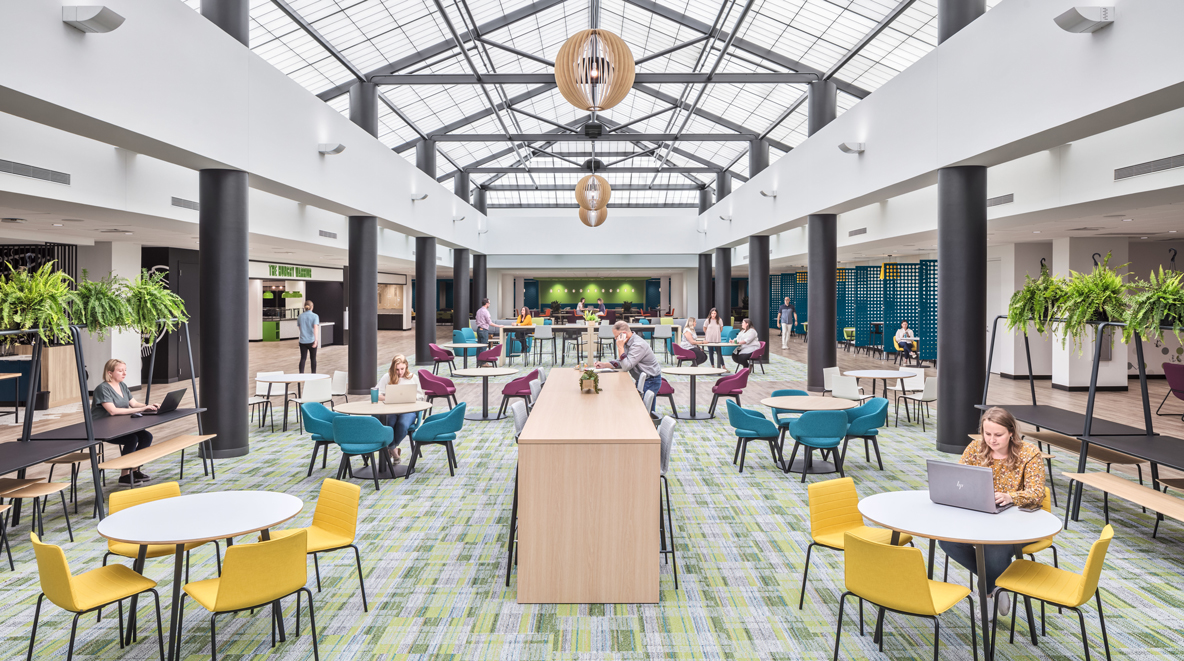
{"x":543,"y":334}
{"x":604,"y":337}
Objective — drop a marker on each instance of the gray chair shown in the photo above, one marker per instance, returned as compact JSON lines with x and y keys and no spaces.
{"x":544,"y":334}
{"x":605,"y":337}
{"x":542,"y":376}
{"x":518,"y":410}
{"x":648,"y":398}
{"x":664,"y":332}
{"x":666,"y":433}
{"x":536,"y":387}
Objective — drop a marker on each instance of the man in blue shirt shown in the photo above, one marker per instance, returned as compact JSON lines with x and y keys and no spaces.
{"x":310,"y":327}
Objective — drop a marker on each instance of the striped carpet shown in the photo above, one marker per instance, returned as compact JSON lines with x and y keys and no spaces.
{"x":434,"y":556}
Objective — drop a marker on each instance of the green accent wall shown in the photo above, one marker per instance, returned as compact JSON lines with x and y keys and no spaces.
{"x":567,"y":291}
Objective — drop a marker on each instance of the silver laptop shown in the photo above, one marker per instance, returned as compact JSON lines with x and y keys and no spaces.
{"x":968,"y":487}
{"x":401,"y":393}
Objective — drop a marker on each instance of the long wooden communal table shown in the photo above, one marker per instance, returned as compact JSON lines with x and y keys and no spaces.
{"x":588,"y":470}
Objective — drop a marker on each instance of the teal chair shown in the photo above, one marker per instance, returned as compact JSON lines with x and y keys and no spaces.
{"x":784,"y":416}
{"x":727,"y":335}
{"x":818,"y":430}
{"x":465,"y":336}
{"x":864,"y":422}
{"x":439,"y":429}
{"x":547,"y":321}
{"x":364,"y":436}
{"x":318,"y":420}
{"x":752,"y":425}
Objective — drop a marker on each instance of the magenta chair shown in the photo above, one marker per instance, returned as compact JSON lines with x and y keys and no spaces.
{"x":757,"y":356}
{"x":437,"y":386}
{"x":491,"y":355}
{"x":519,"y":387}
{"x":1174,"y":373}
{"x":667,"y":391}
{"x":729,"y":386}
{"x":440,"y":355}
{"x":682,"y":354}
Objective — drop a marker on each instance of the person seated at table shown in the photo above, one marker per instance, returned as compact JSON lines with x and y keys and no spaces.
{"x":400,"y":372}
{"x":636,"y":357}
{"x":112,"y":397}
{"x":749,"y":342}
{"x":690,"y":340}
{"x":1019,"y":479}
{"x":580,"y":307}
{"x":601,"y":311}
{"x":713,"y":328}
{"x":906,"y":339}
{"x":524,"y":318}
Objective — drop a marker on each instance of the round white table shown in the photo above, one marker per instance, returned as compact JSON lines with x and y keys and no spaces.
{"x":808,"y":464}
{"x":880,"y":375}
{"x":465,"y":345}
{"x":298,"y":379}
{"x":203,"y":517}
{"x":914,"y":513}
{"x":694,"y":372}
{"x":485,"y":373}
{"x":381,"y":409}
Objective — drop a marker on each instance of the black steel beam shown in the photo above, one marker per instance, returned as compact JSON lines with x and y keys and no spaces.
{"x":758,"y":288}
{"x":567,"y":187}
{"x":425,"y":298}
{"x":680,"y":78}
{"x":479,"y":115}
{"x":705,"y":293}
{"x":709,"y":116}
{"x":579,"y":137}
{"x":575,"y":170}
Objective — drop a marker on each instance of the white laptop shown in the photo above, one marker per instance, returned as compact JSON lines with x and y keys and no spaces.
{"x":401,"y":393}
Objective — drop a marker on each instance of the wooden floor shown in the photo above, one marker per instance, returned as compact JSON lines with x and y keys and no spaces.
{"x":1123,"y":407}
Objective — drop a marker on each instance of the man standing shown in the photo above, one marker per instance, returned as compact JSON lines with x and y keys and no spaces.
{"x":310,"y":334}
{"x":788,"y":317}
{"x":484,"y":321}
{"x":636,"y":357}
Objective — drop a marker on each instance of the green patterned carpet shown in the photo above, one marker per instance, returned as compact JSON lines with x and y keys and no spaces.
{"x":434,"y":556}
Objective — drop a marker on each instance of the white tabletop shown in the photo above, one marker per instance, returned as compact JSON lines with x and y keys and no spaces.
{"x":914,"y":513}
{"x":486,"y":371}
{"x":879,"y":374}
{"x":290,"y":378}
{"x":807,"y":403}
{"x":200,"y":517}
{"x":380,"y":408}
{"x":693,"y":371}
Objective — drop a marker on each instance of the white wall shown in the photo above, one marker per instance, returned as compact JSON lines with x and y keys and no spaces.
{"x":1017,"y":260}
{"x":122,"y":260}
{"x":1071,"y":365}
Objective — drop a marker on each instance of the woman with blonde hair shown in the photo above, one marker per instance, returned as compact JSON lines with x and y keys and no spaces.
{"x":399,"y":372}
{"x":1019,"y":480}
{"x":690,"y":341}
{"x":112,"y":397}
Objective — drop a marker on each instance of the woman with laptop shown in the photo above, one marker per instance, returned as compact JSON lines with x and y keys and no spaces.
{"x":112,"y":397}
{"x":1019,"y":480}
{"x":400,"y":373}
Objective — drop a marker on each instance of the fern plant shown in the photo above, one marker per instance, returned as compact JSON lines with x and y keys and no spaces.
{"x":1089,"y":298}
{"x":1035,"y":302}
{"x":1156,"y":301}
{"x":150,"y":301}
{"x":101,"y":305}
{"x":39,"y":299}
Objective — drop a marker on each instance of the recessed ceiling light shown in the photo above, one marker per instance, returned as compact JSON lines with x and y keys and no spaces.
{"x":1171,"y":231}
{"x":128,"y":233}
{"x":58,"y":225}
{"x":1128,"y":220}
{"x":1142,"y":237}
{"x":1035,"y":231}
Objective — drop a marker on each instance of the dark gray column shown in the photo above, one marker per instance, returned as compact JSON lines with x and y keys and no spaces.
{"x":233,"y":16}
{"x":705,"y":200}
{"x":480,"y":290}
{"x":425,"y":157}
{"x":460,"y":185}
{"x":705,"y":293}
{"x":363,"y":107}
{"x":758,"y":287}
{"x":953,"y":15}
{"x":723,"y":185}
{"x":363,"y":303}
{"x":823,"y":255}
{"x":723,"y":284}
{"x":460,"y":288}
{"x":425,"y":298}
{"x":758,"y":156}
{"x":480,"y":200}
{"x":961,"y":302}
{"x":223,"y":308}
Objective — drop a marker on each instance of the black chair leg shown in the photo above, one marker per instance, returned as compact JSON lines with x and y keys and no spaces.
{"x":805,"y":575}
{"x":374,"y":470}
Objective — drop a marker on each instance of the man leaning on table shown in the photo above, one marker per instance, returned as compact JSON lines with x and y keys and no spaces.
{"x":636,"y":357}
{"x":483,"y":322}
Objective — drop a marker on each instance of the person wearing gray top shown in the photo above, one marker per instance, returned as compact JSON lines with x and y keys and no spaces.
{"x":310,"y":328}
{"x":636,"y":357}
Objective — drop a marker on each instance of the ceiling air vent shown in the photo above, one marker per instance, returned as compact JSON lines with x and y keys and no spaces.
{"x":1162,"y":164}
{"x":1002,"y":199}
{"x":186,"y":204}
{"x":328,"y":235}
{"x":22,"y":170}
{"x":861,"y":230}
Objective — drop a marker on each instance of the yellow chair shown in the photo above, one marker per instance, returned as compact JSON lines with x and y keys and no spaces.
{"x":895,"y":579}
{"x":334,"y":526}
{"x":916,"y":349}
{"x":255,"y":575}
{"x":1059,"y":587}
{"x":87,"y":591}
{"x":121,"y":500}
{"x":834,"y":511}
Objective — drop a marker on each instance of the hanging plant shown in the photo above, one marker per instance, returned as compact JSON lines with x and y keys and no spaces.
{"x":1091,"y":298}
{"x":150,"y":301}
{"x":1158,"y":301}
{"x":1035,"y":302}
{"x":37,"y":299}
{"x":101,"y":305}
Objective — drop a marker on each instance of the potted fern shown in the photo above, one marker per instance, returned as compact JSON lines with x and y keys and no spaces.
{"x":38,"y":299}
{"x":1090,"y":298}
{"x":1158,"y":301}
{"x":1035,"y":302}
{"x":101,"y":305}
{"x":150,"y":301}
{"x":590,"y":382}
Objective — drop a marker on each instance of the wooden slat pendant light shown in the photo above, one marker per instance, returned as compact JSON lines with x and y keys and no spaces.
{"x":594,"y":70}
{"x":593,"y":192}
{"x":593,"y":218}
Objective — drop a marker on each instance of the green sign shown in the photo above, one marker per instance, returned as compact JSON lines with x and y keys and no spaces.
{"x":281,"y":271}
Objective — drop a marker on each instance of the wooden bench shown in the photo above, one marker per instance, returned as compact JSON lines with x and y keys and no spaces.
{"x":157,"y":450}
{"x":1096,"y":453}
{"x":1138,"y":494}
